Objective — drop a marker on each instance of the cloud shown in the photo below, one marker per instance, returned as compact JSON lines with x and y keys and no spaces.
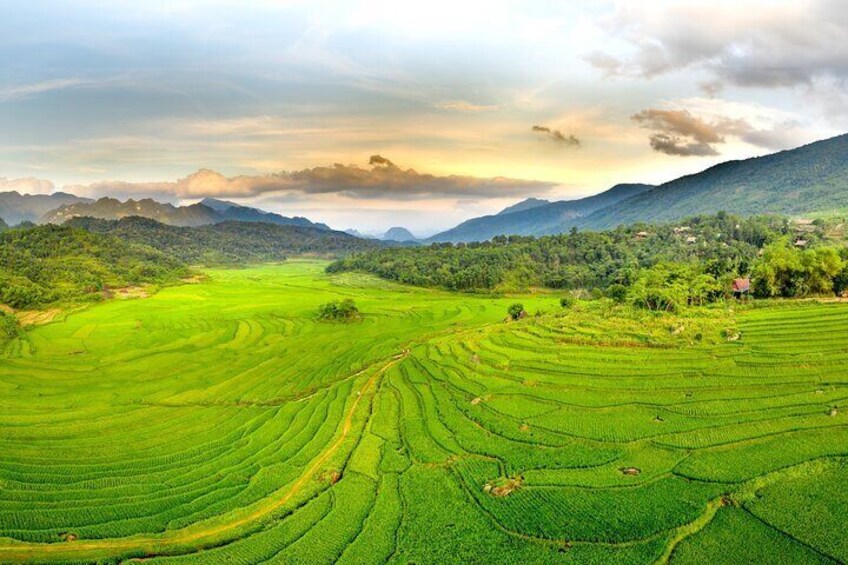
{"x":463,"y":106}
{"x":20,"y":91}
{"x":29,"y":185}
{"x":680,"y":133}
{"x":711,"y":88}
{"x":611,"y":66}
{"x":384,"y":180}
{"x":751,"y":44}
{"x":557,"y":136}
{"x":380,"y":160}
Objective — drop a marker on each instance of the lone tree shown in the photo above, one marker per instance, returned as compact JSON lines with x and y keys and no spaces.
{"x":516,"y":311}
{"x":344,"y":311}
{"x":618,"y":292}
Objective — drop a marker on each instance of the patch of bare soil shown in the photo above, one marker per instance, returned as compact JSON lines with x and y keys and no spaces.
{"x":476,"y":401}
{"x":632,"y":471}
{"x":196,"y":279}
{"x":331,"y":476}
{"x":503,"y":487}
{"x":37,"y":317}
{"x":132,"y":292}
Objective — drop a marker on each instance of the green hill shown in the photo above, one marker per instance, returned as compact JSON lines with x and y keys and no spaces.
{"x":228,"y":242}
{"x":50,"y":263}
{"x":799,"y":181}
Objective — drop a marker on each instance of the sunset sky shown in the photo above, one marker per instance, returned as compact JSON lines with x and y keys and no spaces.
{"x":282,"y":104}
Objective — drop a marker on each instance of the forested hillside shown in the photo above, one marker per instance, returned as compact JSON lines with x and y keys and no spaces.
{"x":228,"y":242}
{"x":808,"y":179}
{"x":50,"y":263}
{"x":544,"y":219}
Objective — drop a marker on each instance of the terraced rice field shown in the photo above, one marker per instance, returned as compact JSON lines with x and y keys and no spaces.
{"x":221,"y":423}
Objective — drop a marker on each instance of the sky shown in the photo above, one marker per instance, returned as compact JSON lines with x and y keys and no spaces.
{"x":369,"y":114}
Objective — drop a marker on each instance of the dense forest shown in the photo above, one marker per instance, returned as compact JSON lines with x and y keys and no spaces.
{"x":227,"y":243}
{"x":656,"y":266}
{"x":45,"y":264}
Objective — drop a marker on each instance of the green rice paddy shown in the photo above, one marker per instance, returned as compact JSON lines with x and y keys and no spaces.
{"x":223,"y":423}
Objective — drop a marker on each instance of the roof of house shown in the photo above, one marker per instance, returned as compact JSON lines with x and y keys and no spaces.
{"x":741,"y":285}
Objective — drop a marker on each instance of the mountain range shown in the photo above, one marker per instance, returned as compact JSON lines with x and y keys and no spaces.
{"x":808,"y":179}
{"x":208,"y":211}
{"x":16,"y":207}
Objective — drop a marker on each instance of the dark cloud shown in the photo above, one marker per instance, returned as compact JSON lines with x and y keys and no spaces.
{"x":745,"y":45}
{"x":679,"y":133}
{"x":384,"y":180}
{"x":380,"y":160}
{"x":557,"y":136}
{"x":676,"y":145}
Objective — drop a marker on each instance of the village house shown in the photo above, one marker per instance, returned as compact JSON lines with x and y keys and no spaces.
{"x":741,"y":287}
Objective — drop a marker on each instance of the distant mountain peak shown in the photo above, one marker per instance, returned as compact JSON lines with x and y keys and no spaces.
{"x":219,"y":205}
{"x":525,"y":204}
{"x":399,"y":234}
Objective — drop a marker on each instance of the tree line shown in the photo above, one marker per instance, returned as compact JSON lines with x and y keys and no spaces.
{"x":661,"y":266}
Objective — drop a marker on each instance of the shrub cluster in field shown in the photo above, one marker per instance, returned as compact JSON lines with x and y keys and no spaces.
{"x":660,"y":267}
{"x":342,"y":310}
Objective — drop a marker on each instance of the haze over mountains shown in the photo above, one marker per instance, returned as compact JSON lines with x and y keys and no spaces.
{"x":16,"y":207}
{"x":798,"y":181}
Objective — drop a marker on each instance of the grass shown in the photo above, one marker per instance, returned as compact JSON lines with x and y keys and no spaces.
{"x":223,"y":422}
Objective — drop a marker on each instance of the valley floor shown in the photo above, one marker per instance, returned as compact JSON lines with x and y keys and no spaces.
{"x":221,"y":422}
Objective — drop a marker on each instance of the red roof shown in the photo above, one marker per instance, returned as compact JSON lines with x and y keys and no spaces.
{"x":741,"y":285}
